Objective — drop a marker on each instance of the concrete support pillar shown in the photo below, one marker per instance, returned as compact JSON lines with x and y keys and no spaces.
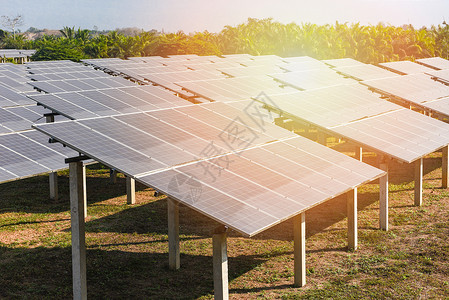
{"x":130,"y":190}
{"x":85,"y":190}
{"x":358,"y":153}
{"x":383,"y":196}
{"x":418,"y":181}
{"x":78,"y":232}
{"x":53,"y":181}
{"x":53,"y":177}
{"x":299,"y":249}
{"x":445,"y":167}
{"x":220,"y":263}
{"x":173,"y":234}
{"x":113,"y":176}
{"x":352,"y":219}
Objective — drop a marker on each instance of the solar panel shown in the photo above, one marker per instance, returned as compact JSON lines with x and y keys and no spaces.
{"x":312,"y":79}
{"x":34,"y":151}
{"x":360,"y":116}
{"x":19,"y":164}
{"x":31,"y":113}
{"x":12,"y":121}
{"x":306,"y":65}
{"x":250,"y":71}
{"x":212,"y":67}
{"x":365,"y":72}
{"x":63,"y":107}
{"x":434,"y":62}
{"x":342,"y":62}
{"x":234,"y":89}
{"x":168,"y":80}
{"x":15,"y":85}
{"x":441,"y":76}
{"x":416,"y":88}
{"x":9,"y":97}
{"x":405,"y":67}
{"x":298,"y":59}
{"x":235,"y":187}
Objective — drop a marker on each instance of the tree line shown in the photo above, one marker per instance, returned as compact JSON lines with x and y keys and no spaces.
{"x":369,"y":44}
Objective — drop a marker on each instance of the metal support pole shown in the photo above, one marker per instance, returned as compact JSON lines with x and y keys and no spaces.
{"x":173,"y":234}
{"x":352,"y":219}
{"x":113,"y":176}
{"x":358,"y":153}
{"x":78,"y":231}
{"x":220,"y":262}
{"x":383,"y":197}
{"x":445,"y":167}
{"x":53,"y":181}
{"x":418,"y":181}
{"x":299,"y":251}
{"x":53,"y":176}
{"x":130,"y":190}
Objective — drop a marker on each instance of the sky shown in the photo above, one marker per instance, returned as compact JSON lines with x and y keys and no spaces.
{"x":213,"y":15}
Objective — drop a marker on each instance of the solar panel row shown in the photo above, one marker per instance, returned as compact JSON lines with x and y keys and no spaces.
{"x":155,"y":147}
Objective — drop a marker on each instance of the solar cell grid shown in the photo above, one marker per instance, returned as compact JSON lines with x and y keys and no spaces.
{"x":14,"y":85}
{"x":88,"y":104}
{"x":125,"y":97}
{"x":233,"y":89}
{"x":154,"y":95}
{"x":110,"y":98}
{"x":63,"y":107}
{"x":139,"y":140}
{"x":21,"y":165}
{"x":125,"y":159}
{"x":28,"y":114}
{"x":161,"y":130}
{"x":6,"y":176}
{"x":42,"y":139}
{"x":33,"y":151}
{"x":13,"y":121}
{"x":208,"y":131}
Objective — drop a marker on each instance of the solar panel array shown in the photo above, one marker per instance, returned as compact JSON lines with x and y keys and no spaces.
{"x":359,"y":115}
{"x":234,"y":89}
{"x":111,"y":101}
{"x":416,"y":88}
{"x":152,"y":135}
{"x":16,"y":53}
{"x":248,"y":183}
{"x":28,"y":153}
{"x":24,"y":152}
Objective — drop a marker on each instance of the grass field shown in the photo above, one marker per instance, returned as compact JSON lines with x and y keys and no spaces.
{"x":127,"y":246}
